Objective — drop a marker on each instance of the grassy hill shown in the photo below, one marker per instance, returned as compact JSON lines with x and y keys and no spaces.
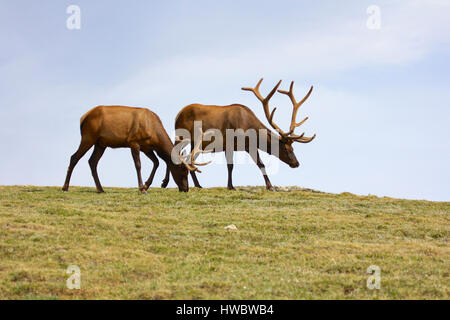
{"x":290,"y":244}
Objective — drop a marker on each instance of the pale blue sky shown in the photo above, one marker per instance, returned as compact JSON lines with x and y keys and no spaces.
{"x":380,"y":108}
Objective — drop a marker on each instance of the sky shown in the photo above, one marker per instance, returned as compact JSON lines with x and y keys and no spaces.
{"x":380,"y":105}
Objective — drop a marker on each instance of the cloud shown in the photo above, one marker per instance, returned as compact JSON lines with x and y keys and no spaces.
{"x":410,"y":31}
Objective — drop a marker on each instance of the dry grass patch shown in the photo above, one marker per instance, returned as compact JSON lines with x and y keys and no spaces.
{"x":291,"y":244}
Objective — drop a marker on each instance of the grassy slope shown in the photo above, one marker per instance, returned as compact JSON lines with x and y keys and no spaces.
{"x":289,"y":245}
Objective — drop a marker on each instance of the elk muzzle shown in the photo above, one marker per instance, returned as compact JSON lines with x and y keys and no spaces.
{"x":294,"y":164}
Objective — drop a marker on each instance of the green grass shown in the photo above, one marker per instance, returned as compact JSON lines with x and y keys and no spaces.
{"x":295,"y":244}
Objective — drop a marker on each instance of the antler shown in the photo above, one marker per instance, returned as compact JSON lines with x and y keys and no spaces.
{"x":189,"y":159}
{"x":269,"y":115}
{"x":296,"y":105}
{"x":265,"y":103}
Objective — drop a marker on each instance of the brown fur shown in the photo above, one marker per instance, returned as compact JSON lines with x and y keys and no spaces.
{"x":139,"y":129}
{"x":235,"y":116}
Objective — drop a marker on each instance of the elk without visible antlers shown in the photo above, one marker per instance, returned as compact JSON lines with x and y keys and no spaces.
{"x":125,"y":127}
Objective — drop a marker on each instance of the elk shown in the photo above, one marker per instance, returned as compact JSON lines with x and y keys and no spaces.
{"x":237,"y":116}
{"x":126,"y":127}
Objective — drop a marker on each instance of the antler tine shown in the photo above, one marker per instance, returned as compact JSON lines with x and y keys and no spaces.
{"x":289,"y":93}
{"x":296,"y":105}
{"x":306,"y":97}
{"x":265,"y":103}
{"x":303,"y":139}
{"x":192,"y":166}
{"x":182,"y":155}
{"x":271,"y":93}
{"x":255,"y":90}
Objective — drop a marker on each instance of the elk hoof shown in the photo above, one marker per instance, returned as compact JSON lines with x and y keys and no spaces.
{"x":164,"y":183}
{"x":231,"y":188}
{"x":100,"y":191}
{"x":270,"y":188}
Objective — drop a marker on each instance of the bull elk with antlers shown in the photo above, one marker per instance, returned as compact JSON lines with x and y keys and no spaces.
{"x":236,"y":117}
{"x":140,"y":130}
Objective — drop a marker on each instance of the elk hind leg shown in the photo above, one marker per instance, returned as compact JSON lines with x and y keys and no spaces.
{"x":85,"y":145}
{"x":194,"y":178}
{"x":93,"y":162}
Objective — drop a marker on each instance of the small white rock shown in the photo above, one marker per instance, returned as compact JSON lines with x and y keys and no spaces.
{"x":231,"y":227}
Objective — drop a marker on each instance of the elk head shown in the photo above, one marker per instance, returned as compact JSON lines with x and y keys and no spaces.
{"x":286,"y":152}
{"x":180,"y":171}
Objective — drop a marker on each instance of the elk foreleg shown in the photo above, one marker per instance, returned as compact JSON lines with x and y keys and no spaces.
{"x":155,"y":161}
{"x":165,"y":182}
{"x":193,"y":175}
{"x":137,"y":163}
{"x":261,"y":167}
{"x":93,"y":161}
{"x":229,"y":158}
{"x":194,"y":178}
